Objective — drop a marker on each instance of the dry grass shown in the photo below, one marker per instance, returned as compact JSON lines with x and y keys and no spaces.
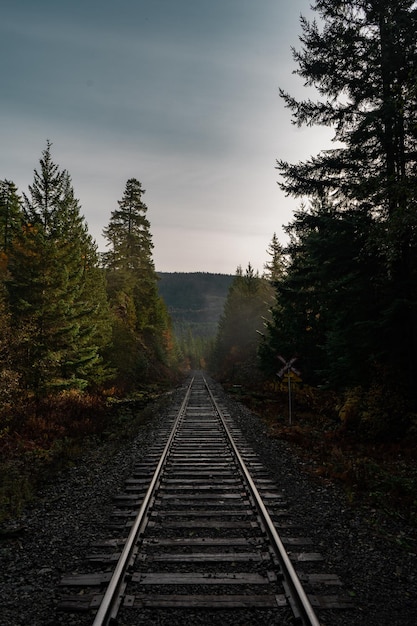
{"x":37,"y":439}
{"x":376,"y":471}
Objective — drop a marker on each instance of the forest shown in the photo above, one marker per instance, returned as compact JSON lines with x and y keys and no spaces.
{"x":194,"y":297}
{"x":347,"y":301}
{"x":78,"y":328}
{"x":195,"y":302}
{"x":345,"y":296}
{"x":339,"y":296}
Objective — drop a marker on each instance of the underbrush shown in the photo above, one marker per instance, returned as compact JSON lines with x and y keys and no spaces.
{"x":42,"y":438}
{"x":338,"y":443}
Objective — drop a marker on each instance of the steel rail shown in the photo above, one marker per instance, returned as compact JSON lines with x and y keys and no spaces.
{"x":112,"y":594}
{"x":298,"y":595}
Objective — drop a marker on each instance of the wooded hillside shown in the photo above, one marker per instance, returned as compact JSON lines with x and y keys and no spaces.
{"x":194,"y":300}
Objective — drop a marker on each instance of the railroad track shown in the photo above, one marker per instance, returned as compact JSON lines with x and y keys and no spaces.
{"x":202,"y":528}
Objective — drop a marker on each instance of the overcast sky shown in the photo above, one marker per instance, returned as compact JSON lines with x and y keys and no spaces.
{"x":180,"y":94}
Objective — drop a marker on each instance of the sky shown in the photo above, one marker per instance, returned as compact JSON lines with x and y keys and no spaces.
{"x":182,"y":95}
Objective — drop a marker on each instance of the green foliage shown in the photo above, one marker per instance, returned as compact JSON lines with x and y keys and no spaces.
{"x":59,"y":339}
{"x":194,"y":300}
{"x":347,"y":301}
{"x":56,"y":292}
{"x":142,"y":343}
{"x":275,"y":268}
{"x":194,"y":347}
{"x":235,"y":350}
{"x":66,"y":322}
{"x":326,"y":303}
{"x":128,"y":233}
{"x":11,"y":216}
{"x":195,"y":303}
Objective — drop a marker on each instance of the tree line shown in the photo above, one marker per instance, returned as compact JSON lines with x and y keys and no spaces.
{"x":346,"y":302}
{"x":195,"y":302}
{"x":234,"y":355}
{"x":341,"y":296}
{"x":70,"y":317}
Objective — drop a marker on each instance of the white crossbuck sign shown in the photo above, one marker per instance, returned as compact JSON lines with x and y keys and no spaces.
{"x":288,"y":367}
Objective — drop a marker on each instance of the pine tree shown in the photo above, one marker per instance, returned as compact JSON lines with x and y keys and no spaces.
{"x":142,"y":334}
{"x":51,"y":262}
{"x":327,"y":302}
{"x":361,"y":57}
{"x":275,"y":268}
{"x":128,"y":232}
{"x":364,"y":62}
{"x":10,"y":219}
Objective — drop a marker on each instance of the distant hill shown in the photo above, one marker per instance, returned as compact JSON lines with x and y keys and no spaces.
{"x":195,"y":300}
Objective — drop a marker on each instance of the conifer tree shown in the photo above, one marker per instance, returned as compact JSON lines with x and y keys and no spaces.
{"x":57,"y":309}
{"x":235,"y":348}
{"x":10,"y":215}
{"x":275,"y":268}
{"x":326,"y":307}
{"x":142,"y":334}
{"x":361,"y":57}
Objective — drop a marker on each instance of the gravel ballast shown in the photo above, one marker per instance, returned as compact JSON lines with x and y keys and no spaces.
{"x":57,"y":530}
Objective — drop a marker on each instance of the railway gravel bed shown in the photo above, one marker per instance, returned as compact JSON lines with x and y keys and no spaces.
{"x":56,"y":532}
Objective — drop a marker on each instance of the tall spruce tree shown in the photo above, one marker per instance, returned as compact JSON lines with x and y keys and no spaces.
{"x":326,"y":308}
{"x":275,"y":267}
{"x":361,"y":56}
{"x":58,"y":310}
{"x":142,"y":333}
{"x":10,"y":215}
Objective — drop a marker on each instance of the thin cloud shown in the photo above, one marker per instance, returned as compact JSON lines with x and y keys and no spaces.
{"x":182,"y":96}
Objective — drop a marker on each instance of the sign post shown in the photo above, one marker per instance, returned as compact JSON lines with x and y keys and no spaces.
{"x":289,"y":371}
